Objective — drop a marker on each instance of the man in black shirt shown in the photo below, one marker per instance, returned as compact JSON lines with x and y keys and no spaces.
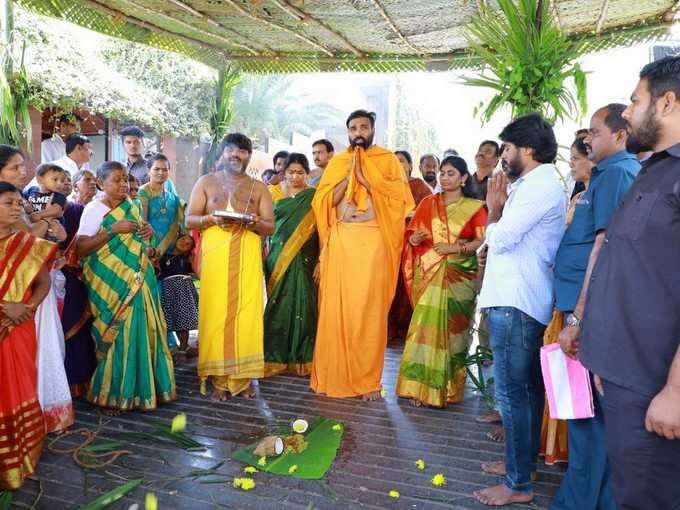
{"x":631,"y":324}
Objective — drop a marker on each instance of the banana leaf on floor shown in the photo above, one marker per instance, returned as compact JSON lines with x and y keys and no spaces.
{"x":323,"y":438}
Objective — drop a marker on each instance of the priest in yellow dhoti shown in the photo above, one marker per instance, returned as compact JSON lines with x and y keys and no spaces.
{"x":360,"y":206}
{"x":230,"y":315}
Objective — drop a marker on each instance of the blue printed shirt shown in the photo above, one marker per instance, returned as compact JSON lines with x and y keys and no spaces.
{"x":609,"y":182}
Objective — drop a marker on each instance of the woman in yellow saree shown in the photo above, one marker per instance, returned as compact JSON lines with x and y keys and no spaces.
{"x":440,"y":269}
{"x":24,"y":283}
{"x":135,"y":367}
{"x":290,"y":315}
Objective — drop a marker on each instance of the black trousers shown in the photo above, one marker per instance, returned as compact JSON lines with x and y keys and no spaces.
{"x":645,"y":466}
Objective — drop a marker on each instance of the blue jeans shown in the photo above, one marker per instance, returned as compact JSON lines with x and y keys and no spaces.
{"x":516,"y":339}
{"x":588,"y":482}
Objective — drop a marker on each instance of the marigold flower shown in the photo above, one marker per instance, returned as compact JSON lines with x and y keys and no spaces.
{"x":150,"y":502}
{"x":292,"y":469}
{"x":420,"y":464}
{"x":179,"y":423}
{"x":250,"y":470}
{"x":394,"y":494}
{"x":244,"y":484}
{"x":262,"y":461}
{"x":438,"y":480}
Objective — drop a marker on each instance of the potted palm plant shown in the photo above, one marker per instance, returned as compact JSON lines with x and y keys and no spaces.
{"x":527,"y":60}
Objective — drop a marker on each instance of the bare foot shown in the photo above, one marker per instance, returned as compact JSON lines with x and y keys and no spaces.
{"x":249,"y":392}
{"x":219,"y":395}
{"x":498,"y":468}
{"x":416,"y":403}
{"x":370,"y":397}
{"x":110,"y":411}
{"x":491,"y":417}
{"x":500,"y":495}
{"x":497,"y":434}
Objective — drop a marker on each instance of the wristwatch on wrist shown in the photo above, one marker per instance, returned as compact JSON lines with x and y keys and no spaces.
{"x":573,"y":321}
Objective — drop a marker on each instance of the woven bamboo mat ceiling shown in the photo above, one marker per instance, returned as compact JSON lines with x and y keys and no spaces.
{"x":274,"y":36}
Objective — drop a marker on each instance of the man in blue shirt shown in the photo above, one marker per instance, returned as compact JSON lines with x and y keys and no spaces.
{"x":588,"y":484}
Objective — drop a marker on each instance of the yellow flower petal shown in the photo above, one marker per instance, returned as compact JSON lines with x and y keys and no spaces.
{"x":420,"y":464}
{"x":179,"y":423}
{"x":394,"y":494}
{"x":150,"y":502}
{"x":337,"y":426}
{"x":438,"y":480}
{"x":262,"y":461}
{"x":292,"y":469}
{"x":383,"y":393}
{"x":250,"y":470}
{"x":247,"y":484}
{"x":244,"y":483}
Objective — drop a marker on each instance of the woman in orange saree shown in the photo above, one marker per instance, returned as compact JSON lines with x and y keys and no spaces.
{"x":24,"y":282}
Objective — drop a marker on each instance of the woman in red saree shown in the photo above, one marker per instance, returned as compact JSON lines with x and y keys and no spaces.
{"x":440,"y":269}
{"x":24,"y":282}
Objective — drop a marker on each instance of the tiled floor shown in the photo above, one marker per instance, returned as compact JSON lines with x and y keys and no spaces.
{"x":382,"y":440}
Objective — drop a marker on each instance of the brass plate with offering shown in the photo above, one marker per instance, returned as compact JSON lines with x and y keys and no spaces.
{"x":235,"y":216}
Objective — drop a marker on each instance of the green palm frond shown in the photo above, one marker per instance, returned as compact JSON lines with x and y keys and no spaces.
{"x":222,"y":114}
{"x":15,"y":121}
{"x":526,"y":60}
{"x":268,"y":106}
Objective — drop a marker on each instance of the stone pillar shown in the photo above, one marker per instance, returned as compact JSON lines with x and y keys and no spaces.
{"x":169,"y":149}
{"x":188,"y":157}
{"x":34,"y":142}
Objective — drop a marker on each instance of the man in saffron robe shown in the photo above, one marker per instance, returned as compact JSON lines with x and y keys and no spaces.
{"x":360,"y":206}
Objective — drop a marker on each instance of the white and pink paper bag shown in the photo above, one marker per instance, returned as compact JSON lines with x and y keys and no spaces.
{"x":567,"y":385}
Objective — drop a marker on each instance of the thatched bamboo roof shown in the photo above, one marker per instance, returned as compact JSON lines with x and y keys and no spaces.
{"x":341,"y":35}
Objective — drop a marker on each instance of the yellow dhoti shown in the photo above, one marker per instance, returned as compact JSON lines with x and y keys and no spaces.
{"x":230,"y":312}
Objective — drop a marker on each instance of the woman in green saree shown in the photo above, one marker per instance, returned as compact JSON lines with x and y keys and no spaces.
{"x":163,"y":209}
{"x":135,"y":367}
{"x":290,"y":314}
{"x":440,"y":269}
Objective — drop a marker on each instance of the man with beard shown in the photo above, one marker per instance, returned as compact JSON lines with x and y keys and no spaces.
{"x":322,"y":151}
{"x":525,"y":224}
{"x":230,"y":320}
{"x":429,"y":166}
{"x":361,"y":206}
{"x":486,"y":160}
{"x":587,"y":483}
{"x":631,"y":324}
